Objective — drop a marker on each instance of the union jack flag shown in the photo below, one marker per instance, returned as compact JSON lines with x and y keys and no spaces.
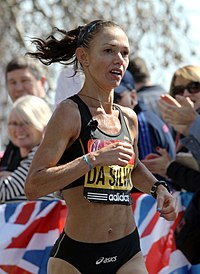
{"x":28,"y":231}
{"x":157,"y":236}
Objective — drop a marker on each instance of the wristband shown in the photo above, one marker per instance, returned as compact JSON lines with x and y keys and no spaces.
{"x":155,"y":186}
{"x":87,"y":161}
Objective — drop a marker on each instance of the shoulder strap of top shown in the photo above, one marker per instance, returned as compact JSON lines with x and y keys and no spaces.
{"x":86,"y":115}
{"x":83,"y":108}
{"x":123,"y":123}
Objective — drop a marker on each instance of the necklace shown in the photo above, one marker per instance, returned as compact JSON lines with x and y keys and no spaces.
{"x":103,"y":102}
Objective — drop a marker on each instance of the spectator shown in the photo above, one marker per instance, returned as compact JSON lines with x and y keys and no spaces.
{"x":181,"y":175}
{"x":89,"y":151}
{"x":186,"y":83}
{"x":23,"y":76}
{"x":184,"y":119}
{"x":68,"y":84}
{"x":153,"y":132}
{"x":147,"y":92}
{"x":26,"y":124}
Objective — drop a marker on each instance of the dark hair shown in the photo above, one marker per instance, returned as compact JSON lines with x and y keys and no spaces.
{"x":63,"y":50}
{"x":23,"y":62}
{"x":138,"y":69}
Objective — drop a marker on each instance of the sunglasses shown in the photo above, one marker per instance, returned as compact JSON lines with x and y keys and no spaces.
{"x":192,"y":87}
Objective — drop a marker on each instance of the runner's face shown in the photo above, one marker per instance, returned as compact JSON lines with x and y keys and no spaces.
{"x":108,"y":57}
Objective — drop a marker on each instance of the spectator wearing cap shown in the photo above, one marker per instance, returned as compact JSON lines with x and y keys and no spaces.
{"x":147,"y":91}
{"x":152,"y":131}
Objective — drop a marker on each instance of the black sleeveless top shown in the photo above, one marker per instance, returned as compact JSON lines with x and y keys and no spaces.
{"x":101,"y":184}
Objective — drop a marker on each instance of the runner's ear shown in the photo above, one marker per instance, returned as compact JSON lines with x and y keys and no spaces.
{"x":82,"y":56}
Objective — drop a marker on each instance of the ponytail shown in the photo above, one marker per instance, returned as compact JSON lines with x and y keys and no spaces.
{"x":63,"y":50}
{"x":54,"y":50}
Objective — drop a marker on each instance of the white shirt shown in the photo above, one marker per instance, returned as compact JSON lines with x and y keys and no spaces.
{"x":67,"y":84}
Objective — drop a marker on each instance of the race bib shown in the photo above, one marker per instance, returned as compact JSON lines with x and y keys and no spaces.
{"x":108,"y":184}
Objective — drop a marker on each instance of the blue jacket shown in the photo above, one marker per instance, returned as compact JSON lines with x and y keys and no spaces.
{"x":192,"y":141}
{"x":153,"y":132}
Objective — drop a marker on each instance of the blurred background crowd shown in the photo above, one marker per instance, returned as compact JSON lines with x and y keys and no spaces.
{"x":159,"y":31}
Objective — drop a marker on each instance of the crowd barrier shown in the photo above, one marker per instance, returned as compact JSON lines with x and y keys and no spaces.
{"x":29,"y":229}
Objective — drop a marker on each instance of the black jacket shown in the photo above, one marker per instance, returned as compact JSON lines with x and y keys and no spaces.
{"x":183,"y":177}
{"x":11,"y":158}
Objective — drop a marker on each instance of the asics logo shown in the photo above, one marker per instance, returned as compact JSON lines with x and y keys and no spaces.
{"x":106,"y":260}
